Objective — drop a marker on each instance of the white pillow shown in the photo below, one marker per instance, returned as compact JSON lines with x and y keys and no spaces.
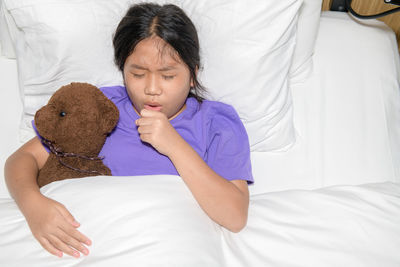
{"x":307,"y":29}
{"x":6,"y":26}
{"x":246,"y":46}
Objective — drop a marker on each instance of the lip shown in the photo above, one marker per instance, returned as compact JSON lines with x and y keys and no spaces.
{"x":153,"y":106}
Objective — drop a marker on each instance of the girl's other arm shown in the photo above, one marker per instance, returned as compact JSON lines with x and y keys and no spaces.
{"x":50,"y":222}
{"x":225,"y":202}
{"x":21,"y":170}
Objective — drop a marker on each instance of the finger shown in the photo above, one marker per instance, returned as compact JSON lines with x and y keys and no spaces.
{"x":73,"y":240}
{"x":143,"y":121}
{"x":147,"y":129}
{"x":149,"y":113}
{"x":67,"y":215}
{"x":145,"y":138}
{"x":144,"y":112}
{"x":148,"y":138}
{"x":50,"y":248}
{"x":61,"y":245}
{"x":74,"y":233}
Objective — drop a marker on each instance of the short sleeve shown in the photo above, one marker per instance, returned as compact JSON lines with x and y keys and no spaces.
{"x":228,"y":149}
{"x":39,"y":136}
{"x":115,"y":93}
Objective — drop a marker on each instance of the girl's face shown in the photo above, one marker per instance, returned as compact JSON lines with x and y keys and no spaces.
{"x":156,"y":78}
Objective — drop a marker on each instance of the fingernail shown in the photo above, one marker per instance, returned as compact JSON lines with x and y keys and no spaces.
{"x":85,"y":251}
{"x":59,"y":254}
{"x":76,"y":254}
{"x":76,"y":223}
{"x":88,"y":242}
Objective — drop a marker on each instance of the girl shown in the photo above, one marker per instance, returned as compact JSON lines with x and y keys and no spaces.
{"x":165,"y":127}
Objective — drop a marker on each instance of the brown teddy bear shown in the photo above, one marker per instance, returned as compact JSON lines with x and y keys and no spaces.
{"x":74,"y":126}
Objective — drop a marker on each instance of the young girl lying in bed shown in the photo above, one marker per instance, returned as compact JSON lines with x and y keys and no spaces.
{"x":165,"y":127}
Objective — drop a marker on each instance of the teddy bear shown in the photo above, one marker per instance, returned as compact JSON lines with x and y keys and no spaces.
{"x":74,"y":126}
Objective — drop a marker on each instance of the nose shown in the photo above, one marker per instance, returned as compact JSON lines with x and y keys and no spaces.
{"x":152,"y":86}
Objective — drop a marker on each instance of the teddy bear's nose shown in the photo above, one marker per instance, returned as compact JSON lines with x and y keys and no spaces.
{"x":62,"y":114}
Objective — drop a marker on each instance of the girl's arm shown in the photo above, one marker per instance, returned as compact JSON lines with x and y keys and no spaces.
{"x":50,"y":222}
{"x":21,"y":170}
{"x":225,"y":202}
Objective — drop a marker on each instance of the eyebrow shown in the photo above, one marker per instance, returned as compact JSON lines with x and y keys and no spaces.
{"x":143,"y":68}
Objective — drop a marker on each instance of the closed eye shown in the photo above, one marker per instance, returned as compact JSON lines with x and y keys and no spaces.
{"x":168,"y":77}
{"x":138,"y":75}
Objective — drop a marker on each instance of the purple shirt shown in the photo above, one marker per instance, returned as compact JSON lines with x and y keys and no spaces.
{"x":213,"y":129}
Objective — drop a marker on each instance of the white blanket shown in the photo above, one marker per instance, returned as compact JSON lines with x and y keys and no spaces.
{"x":155,"y":221}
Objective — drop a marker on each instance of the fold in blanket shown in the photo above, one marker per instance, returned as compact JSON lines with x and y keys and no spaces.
{"x":155,"y":221}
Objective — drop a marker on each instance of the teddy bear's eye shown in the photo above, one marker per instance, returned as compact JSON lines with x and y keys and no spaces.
{"x":62,"y":114}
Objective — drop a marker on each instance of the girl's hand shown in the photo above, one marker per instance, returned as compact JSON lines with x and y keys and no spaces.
{"x":154,"y":128}
{"x":54,"y":227}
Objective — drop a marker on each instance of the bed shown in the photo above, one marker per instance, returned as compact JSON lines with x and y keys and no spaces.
{"x":327,"y":172}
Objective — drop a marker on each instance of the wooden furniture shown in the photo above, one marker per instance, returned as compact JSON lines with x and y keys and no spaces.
{"x":369,"y":7}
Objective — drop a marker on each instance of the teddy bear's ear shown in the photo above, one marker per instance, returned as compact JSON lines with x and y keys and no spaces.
{"x":109,"y":114}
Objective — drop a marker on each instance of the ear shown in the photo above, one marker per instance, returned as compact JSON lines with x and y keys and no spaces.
{"x":196,"y":71}
{"x":109,"y":113}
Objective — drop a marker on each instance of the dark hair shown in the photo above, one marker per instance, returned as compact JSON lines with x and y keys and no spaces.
{"x":168,"y":22}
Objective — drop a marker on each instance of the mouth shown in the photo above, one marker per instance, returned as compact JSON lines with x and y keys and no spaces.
{"x":153,"y":106}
